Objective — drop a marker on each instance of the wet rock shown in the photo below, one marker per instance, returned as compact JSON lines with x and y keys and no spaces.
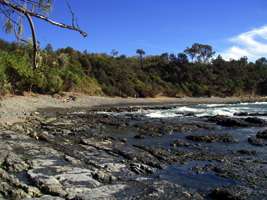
{"x":247,"y":152}
{"x":103,"y":177}
{"x":72,"y":160}
{"x":229,"y":122}
{"x":44,"y":136}
{"x":262,"y":135}
{"x":245,"y":114}
{"x":10,"y":192}
{"x":224,"y":194}
{"x":225,"y":138}
{"x":139,"y":168}
{"x":155,"y":129}
{"x":46,"y":197}
{"x":237,"y":122}
{"x":18,"y":127}
{"x":3,"y":155}
{"x":139,"y":137}
{"x":241,"y":114}
{"x":50,"y":120}
{"x":106,"y":192}
{"x":180,"y":143}
{"x":256,"y":141}
{"x":49,"y":185}
{"x":13,"y":163}
{"x":255,"y":120}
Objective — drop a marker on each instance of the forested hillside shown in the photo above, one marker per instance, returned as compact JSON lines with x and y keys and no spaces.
{"x":191,"y":73}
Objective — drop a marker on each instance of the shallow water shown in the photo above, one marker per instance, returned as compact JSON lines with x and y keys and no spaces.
{"x":184,"y":173}
{"x":201,"y":110}
{"x":187,"y":177}
{"x":209,"y":110}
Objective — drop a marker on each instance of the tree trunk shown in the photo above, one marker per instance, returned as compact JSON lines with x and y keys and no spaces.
{"x":34,"y":41}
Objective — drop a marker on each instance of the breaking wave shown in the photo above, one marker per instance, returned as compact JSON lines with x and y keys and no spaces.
{"x":209,"y":110}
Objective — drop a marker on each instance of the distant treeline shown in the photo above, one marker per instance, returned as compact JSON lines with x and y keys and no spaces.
{"x":192,"y":73}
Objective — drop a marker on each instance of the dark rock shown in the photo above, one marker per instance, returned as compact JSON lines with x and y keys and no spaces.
{"x":245,"y":114}
{"x":103,"y":177}
{"x":139,"y":137}
{"x":13,"y":163}
{"x":180,"y":143}
{"x":225,"y":138}
{"x":229,"y":122}
{"x":241,"y":114}
{"x":155,"y":129}
{"x":256,"y":141}
{"x":237,"y":122}
{"x":223,"y":194}
{"x":255,"y":120}
{"x":44,"y":136}
{"x":247,"y":152}
{"x":139,"y":168}
{"x":262,"y":135}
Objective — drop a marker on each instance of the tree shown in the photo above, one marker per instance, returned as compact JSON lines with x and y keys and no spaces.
{"x":243,"y":60}
{"x":165,"y":57}
{"x":49,"y":48}
{"x":16,"y":11}
{"x":191,"y":52}
{"x":218,"y":61}
{"x":141,"y":54}
{"x":202,"y":52}
{"x":182,"y":58}
{"x":261,"y":61}
{"x":114,"y":53}
{"x":173,"y":57}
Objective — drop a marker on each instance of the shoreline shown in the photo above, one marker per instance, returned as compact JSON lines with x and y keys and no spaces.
{"x":17,"y":108}
{"x":55,"y":154}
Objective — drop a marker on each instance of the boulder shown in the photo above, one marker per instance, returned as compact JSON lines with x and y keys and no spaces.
{"x":255,"y":120}
{"x":229,"y":122}
{"x":262,"y":135}
{"x":237,"y":122}
{"x":256,"y":141}
{"x":223,"y":194}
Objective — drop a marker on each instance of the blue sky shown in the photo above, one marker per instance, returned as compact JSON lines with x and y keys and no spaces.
{"x":233,"y":27}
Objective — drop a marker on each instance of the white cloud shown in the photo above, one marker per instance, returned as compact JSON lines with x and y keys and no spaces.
{"x":252,"y":44}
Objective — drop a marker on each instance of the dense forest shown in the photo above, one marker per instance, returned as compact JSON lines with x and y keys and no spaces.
{"x":194,"y":72}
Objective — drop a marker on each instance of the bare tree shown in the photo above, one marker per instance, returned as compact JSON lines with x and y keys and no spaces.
{"x":16,"y":11}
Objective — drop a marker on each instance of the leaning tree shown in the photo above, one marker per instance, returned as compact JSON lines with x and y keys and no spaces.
{"x":15,"y":12}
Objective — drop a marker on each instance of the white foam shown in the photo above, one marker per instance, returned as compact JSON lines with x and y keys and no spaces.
{"x":201,"y":110}
{"x":214,"y":105}
{"x":189,"y":109}
{"x":261,"y":103}
{"x":159,"y":114}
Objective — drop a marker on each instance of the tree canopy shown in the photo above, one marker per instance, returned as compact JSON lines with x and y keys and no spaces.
{"x":201,"y":52}
{"x":17,"y":11}
{"x":105,"y":74}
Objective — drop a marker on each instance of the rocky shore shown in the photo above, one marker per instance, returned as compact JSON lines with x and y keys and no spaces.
{"x":17,"y":108}
{"x":82,"y":154}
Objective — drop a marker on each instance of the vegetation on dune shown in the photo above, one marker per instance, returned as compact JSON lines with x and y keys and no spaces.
{"x":138,"y":76}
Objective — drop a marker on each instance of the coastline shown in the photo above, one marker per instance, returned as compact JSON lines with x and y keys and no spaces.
{"x":58,"y":154}
{"x":17,"y":108}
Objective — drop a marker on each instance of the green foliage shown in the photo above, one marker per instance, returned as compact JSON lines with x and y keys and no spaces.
{"x":101,"y":74}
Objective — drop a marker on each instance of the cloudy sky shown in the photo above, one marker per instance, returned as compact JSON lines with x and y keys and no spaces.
{"x":234,"y":28}
{"x":252,"y":44}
